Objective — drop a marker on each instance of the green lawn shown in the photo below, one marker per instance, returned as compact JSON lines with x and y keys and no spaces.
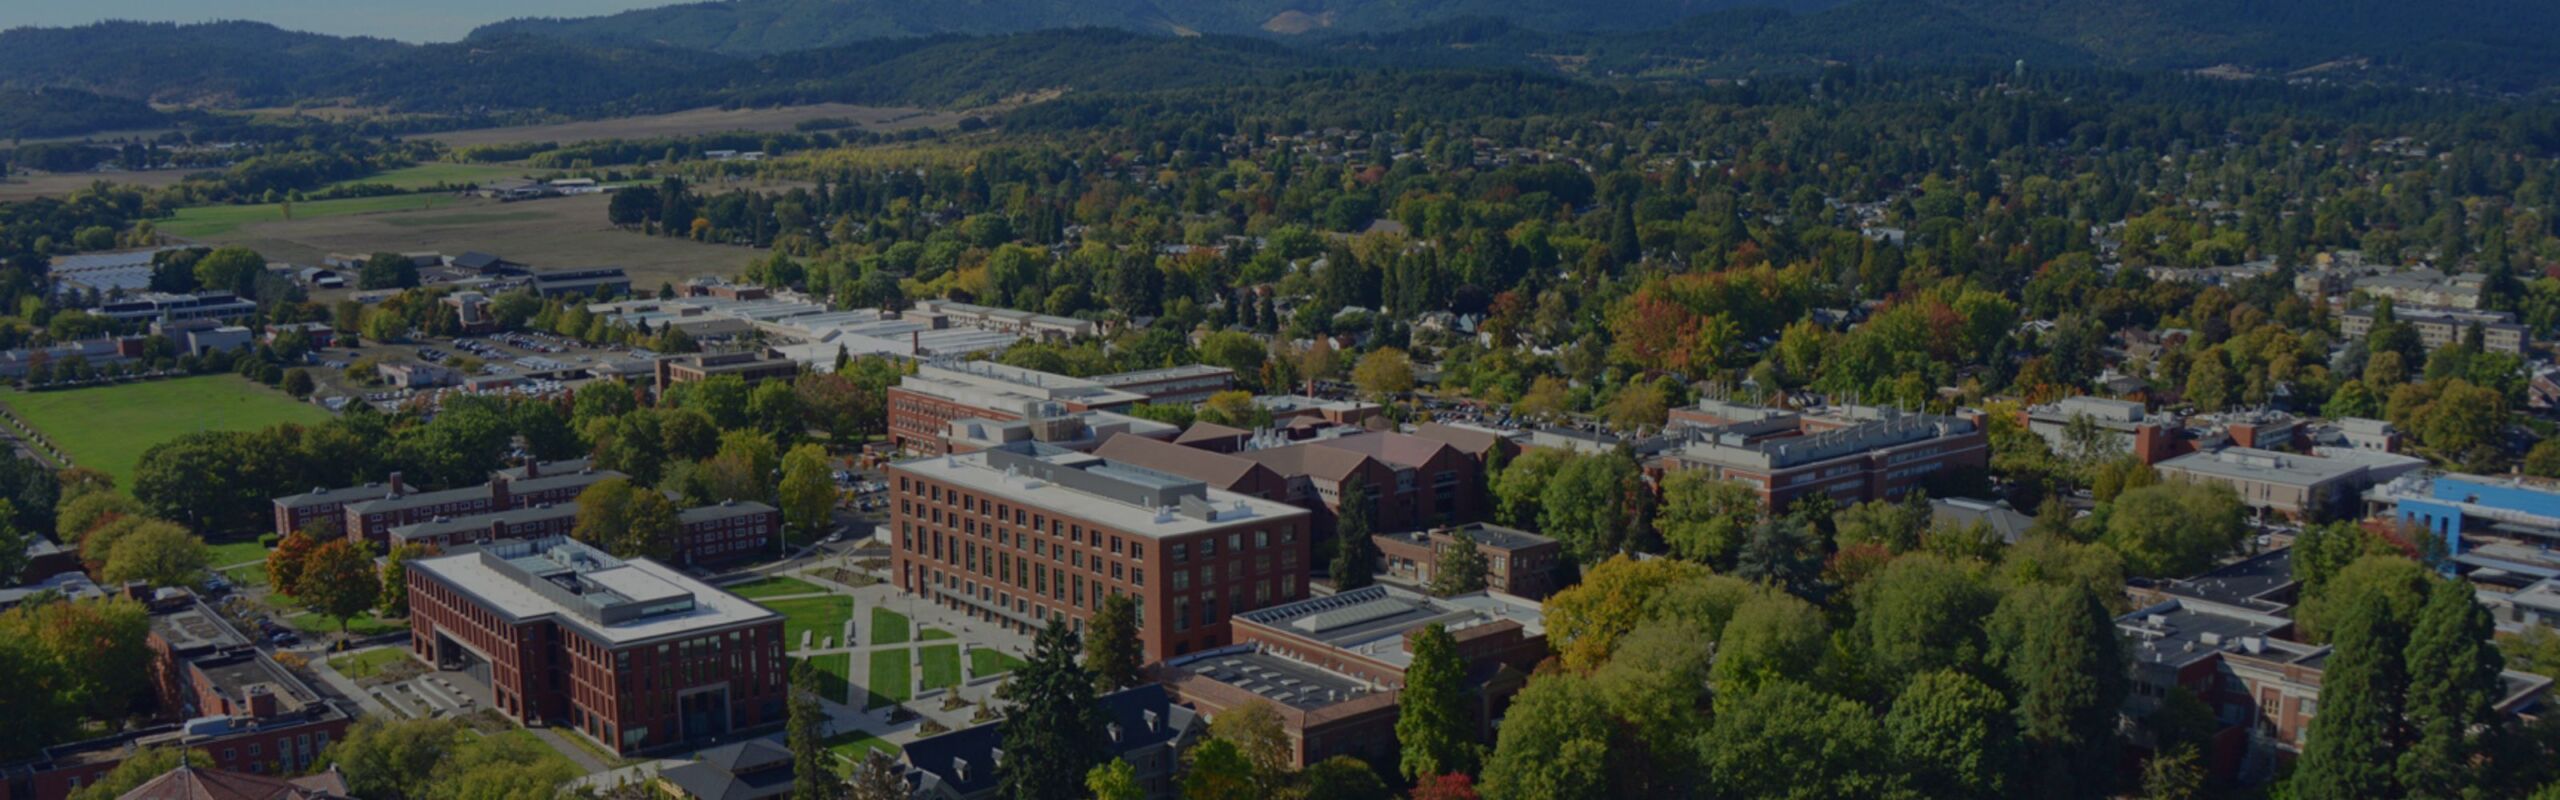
{"x":205,"y":222}
{"x":835,"y":675}
{"x":434,"y":174}
{"x":889,"y":627}
{"x":236,"y":553}
{"x":367,"y":625}
{"x":247,"y":576}
{"x":109,"y":427}
{"x":892,"y":679}
{"x":360,"y":666}
{"x":934,"y":635}
{"x":824,"y":616}
{"x":855,"y":746}
{"x":987,"y":661}
{"x":941,"y":666}
{"x":773,"y":587}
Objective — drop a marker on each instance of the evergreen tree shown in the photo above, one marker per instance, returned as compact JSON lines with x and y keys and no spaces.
{"x":2453,"y":687}
{"x":1054,"y":735}
{"x":813,"y":765}
{"x":1355,"y":561}
{"x":2349,"y":750}
{"x":1112,"y":651}
{"x":2057,"y":647}
{"x":1432,"y":723}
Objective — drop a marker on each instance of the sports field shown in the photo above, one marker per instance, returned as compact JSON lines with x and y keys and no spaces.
{"x":203,"y":222}
{"x":109,"y":427}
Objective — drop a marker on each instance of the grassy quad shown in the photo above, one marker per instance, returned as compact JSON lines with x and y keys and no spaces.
{"x":366,"y":664}
{"x":892,"y":678}
{"x":941,"y":664}
{"x":889,"y":627}
{"x":857,"y":745}
{"x":774,"y":587}
{"x":835,"y":675}
{"x":109,"y":427}
{"x":823,"y":617}
{"x":987,"y":661}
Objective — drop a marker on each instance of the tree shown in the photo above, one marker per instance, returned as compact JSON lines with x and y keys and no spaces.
{"x":808,"y":490}
{"x":628,"y":521}
{"x":1385,"y":373}
{"x":1788,"y":740}
{"x":775,"y":407}
{"x":284,"y":563}
{"x":1433,"y":725}
{"x":1112,"y":651}
{"x":1585,"y":621}
{"x":1583,"y":506}
{"x":1235,"y":350}
{"x":1257,"y":732}
{"x":2453,"y":690}
{"x":2175,"y":529}
{"x":1771,"y":637}
{"x":157,"y":555}
{"x":1055,"y":730}
{"x":395,"y":577}
{"x":393,"y":758}
{"x":2349,"y":750}
{"x":1704,"y":519}
{"x":2176,"y":774}
{"x":80,"y":515}
{"x":2392,"y":577}
{"x":806,"y":731}
{"x":2058,"y":650}
{"x":73,"y":660}
{"x":338,"y":580}
{"x":1355,"y":560}
{"x":1896,"y":525}
{"x":1114,"y":781}
{"x":297,"y":382}
{"x":13,"y":547}
{"x":1342,"y":777}
{"x":1955,"y":733}
{"x":1551,"y":746}
{"x":137,"y":769}
{"x":1218,"y":770}
{"x":231,"y":269}
{"x":1920,"y":613}
{"x":1654,"y":689}
{"x":1453,"y":786}
{"x":1462,"y":568}
{"x":878,"y":777}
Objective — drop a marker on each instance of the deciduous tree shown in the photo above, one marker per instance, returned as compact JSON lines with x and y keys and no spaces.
{"x":337,"y":580}
{"x":1461,"y":568}
{"x":808,"y":490}
{"x":1112,"y":651}
{"x":1955,"y":735}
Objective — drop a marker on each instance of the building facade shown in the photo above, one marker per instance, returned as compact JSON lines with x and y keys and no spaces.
{"x":1517,"y":562}
{"x":631,"y":654}
{"x":1854,"y":454}
{"x":753,"y":367}
{"x":529,"y":486}
{"x":924,"y":405}
{"x":1022,"y":534}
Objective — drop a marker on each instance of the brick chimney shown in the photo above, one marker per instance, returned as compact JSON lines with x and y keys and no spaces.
{"x":262,"y":701}
{"x":397,"y":488}
{"x":499,"y":497}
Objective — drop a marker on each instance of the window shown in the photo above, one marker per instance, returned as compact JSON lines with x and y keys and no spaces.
{"x":1181,"y":553}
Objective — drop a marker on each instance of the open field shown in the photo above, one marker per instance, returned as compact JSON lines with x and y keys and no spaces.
{"x":702,"y":121}
{"x":236,"y":553}
{"x":559,"y":233}
{"x":21,"y":186}
{"x":214,"y":222}
{"x":434,"y":174}
{"x":824,"y":617}
{"x":109,"y":427}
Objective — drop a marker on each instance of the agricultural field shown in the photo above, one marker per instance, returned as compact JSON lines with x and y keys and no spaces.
{"x":557,"y":233}
{"x":435,"y":174}
{"x":216,"y":222}
{"x":22,"y":186}
{"x":704,"y":121}
{"x":109,"y":427}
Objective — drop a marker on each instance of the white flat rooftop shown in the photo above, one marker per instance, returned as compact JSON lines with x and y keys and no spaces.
{"x":971,"y":471}
{"x":639,"y":580}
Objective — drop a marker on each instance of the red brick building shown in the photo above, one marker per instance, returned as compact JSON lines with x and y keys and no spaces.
{"x":213,"y":692}
{"x":1332,"y":665}
{"x":528,"y":486}
{"x":1415,"y":482}
{"x":1517,"y":562}
{"x":923,"y":405}
{"x":753,"y":367}
{"x":711,"y":534}
{"x":1854,"y":454}
{"x":1024,"y":533}
{"x":631,"y":654}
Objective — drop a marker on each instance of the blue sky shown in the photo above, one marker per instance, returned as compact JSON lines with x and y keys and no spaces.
{"x":406,"y":20}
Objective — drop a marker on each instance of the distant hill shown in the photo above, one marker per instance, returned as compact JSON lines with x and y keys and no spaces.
{"x":775,"y":26}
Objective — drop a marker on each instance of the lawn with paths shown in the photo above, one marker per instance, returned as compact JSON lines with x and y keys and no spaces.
{"x":835,"y":674}
{"x":889,"y":627}
{"x":941,"y":664}
{"x":824,"y":617}
{"x":109,"y":427}
{"x":776,"y":586}
{"x":892,"y":679}
{"x":987,"y":661}
{"x":934,"y":635}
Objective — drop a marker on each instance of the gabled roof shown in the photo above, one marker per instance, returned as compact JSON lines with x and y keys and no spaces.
{"x":748,"y":770}
{"x":1210,"y":431}
{"x":190,"y":782}
{"x":1312,"y":459}
{"x":1393,"y":448}
{"x":965,"y":761}
{"x":1216,"y":469}
{"x":1472,"y":441}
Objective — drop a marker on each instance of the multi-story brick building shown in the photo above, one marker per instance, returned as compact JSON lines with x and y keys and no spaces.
{"x":1332,"y":665}
{"x":631,"y":654}
{"x":711,"y":534}
{"x":1853,"y":454}
{"x":1024,"y":533}
{"x":1415,"y":482}
{"x":300,"y":511}
{"x":1187,"y":385}
{"x":753,"y":367}
{"x":2439,"y":328}
{"x":1517,"y":562}
{"x":213,"y":692}
{"x":1084,"y":431}
{"x":923,"y":405}
{"x":527,"y":486}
